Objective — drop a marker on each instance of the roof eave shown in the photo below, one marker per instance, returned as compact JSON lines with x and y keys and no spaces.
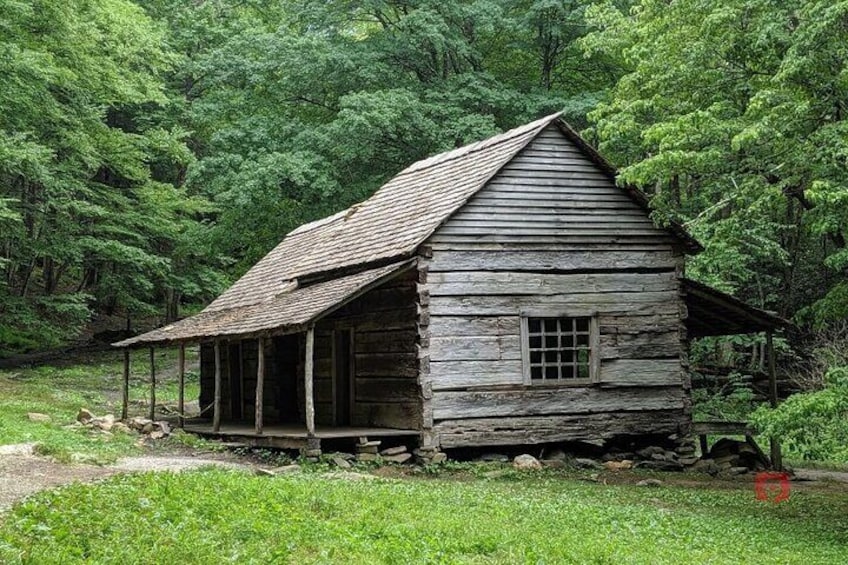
{"x":139,"y":342}
{"x":746,"y":318}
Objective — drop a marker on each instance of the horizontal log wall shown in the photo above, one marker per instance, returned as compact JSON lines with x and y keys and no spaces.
{"x":552,"y":233}
{"x":386,"y":390}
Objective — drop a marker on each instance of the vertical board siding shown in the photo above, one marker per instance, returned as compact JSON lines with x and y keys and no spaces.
{"x":552,"y":233}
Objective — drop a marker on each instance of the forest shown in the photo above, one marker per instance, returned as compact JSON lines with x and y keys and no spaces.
{"x":152,"y":150}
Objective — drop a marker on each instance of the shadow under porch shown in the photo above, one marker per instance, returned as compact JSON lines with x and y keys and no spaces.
{"x":298,"y":404}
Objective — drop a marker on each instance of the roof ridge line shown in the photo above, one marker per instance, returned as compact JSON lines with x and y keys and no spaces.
{"x":502,"y":137}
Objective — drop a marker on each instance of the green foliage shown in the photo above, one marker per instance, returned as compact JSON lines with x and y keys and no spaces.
{"x":216,"y":516}
{"x":152,"y":150}
{"x":733,"y":402}
{"x":812,"y":425}
{"x":732,"y":116}
{"x":342,"y":96}
{"x":87,"y":224}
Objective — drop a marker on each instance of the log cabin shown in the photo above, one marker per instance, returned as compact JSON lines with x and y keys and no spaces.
{"x":508,"y":292}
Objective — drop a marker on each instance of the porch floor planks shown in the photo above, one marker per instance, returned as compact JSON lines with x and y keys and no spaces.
{"x":290,"y":435}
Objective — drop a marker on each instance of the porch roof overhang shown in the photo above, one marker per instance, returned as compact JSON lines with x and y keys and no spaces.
{"x":712,"y":312}
{"x":291,"y":310}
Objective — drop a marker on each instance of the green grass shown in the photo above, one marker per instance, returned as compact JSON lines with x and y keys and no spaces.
{"x":230,"y":517}
{"x":60,"y":391}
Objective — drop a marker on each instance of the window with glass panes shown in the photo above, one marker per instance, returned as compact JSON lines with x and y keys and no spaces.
{"x":559,"y":349}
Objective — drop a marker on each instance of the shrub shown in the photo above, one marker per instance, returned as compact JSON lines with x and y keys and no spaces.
{"x":733,"y":401}
{"x":811,"y":425}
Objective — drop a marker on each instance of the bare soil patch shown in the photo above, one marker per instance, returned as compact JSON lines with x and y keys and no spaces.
{"x":23,"y":473}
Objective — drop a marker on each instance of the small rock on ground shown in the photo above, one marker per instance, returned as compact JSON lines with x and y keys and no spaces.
{"x":525,"y":462}
{"x":341,"y":462}
{"x":399,"y":458}
{"x":619,"y":465}
{"x":394,"y":450}
{"x":84,"y":416}
{"x":585,"y":463}
{"x":649,"y":483}
{"x":17,"y":449}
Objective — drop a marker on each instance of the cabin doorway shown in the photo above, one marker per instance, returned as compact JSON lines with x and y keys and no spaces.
{"x":287,"y":366}
{"x":342,"y":376}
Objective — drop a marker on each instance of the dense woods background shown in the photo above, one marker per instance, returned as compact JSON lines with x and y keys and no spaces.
{"x":152,"y":150}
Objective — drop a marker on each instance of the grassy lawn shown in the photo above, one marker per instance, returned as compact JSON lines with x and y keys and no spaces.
{"x":452,"y":514}
{"x":60,"y":391}
{"x":219,"y":516}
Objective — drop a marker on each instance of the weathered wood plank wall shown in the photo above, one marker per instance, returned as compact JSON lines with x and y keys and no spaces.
{"x":386,"y":391}
{"x":552,"y":232}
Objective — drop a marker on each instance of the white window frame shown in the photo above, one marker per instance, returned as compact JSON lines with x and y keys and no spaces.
{"x":594,"y":347}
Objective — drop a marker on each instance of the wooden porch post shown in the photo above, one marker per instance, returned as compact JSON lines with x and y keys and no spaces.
{"x":260,"y":385}
{"x":151,"y":412}
{"x":181,"y":398}
{"x":774,"y":444}
{"x":307,"y":376}
{"x":125,"y":388}
{"x":216,"y":409}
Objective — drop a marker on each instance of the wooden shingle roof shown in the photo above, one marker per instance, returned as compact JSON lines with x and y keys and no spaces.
{"x":386,"y":228}
{"x":293,"y":308}
{"x":390,"y":224}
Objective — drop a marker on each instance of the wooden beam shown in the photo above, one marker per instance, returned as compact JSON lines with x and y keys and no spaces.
{"x":216,"y":408}
{"x":774,"y":444}
{"x":181,"y":399}
{"x":307,"y":378}
{"x":151,"y":412}
{"x":125,"y":388}
{"x":260,"y":385}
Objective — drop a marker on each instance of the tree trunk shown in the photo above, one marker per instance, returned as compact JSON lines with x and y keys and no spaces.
{"x":172,"y":305}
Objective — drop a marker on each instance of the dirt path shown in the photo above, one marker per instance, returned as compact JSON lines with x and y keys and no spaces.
{"x":23,"y":474}
{"x":821,"y":475}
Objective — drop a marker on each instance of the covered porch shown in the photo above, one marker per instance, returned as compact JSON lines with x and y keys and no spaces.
{"x":714,"y":313}
{"x":313,"y":365}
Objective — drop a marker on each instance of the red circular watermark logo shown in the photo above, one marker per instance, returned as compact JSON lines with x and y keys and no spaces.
{"x":772,"y":486}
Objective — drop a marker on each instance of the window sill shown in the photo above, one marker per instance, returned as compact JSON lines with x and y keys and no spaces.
{"x":570,"y":384}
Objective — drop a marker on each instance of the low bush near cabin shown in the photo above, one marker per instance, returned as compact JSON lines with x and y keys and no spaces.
{"x":811,"y":425}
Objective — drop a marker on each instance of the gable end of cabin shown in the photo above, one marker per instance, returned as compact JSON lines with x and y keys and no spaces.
{"x":555,"y":310}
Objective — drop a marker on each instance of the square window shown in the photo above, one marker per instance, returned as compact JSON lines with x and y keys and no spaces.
{"x":558,"y":349}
